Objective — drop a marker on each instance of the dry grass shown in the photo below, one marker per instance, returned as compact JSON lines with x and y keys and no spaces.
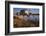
{"x":18,"y":22}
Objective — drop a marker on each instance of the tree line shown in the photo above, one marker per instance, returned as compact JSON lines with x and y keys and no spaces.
{"x":22,"y":12}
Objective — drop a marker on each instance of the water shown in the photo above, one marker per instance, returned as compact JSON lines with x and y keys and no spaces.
{"x":32,"y":17}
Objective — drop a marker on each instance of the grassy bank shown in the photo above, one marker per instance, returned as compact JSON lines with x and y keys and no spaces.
{"x":18,"y":22}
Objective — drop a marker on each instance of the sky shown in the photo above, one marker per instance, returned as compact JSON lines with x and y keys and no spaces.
{"x":32,"y":10}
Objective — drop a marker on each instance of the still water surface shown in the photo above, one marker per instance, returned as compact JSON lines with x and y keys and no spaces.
{"x":32,"y":17}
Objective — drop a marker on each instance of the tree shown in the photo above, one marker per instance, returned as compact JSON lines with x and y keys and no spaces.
{"x":17,"y":13}
{"x":22,"y":12}
{"x":30,"y":13}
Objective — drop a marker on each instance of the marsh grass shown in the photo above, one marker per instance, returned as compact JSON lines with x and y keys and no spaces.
{"x":18,"y":22}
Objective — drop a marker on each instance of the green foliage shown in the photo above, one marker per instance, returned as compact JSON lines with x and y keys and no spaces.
{"x":30,"y":13}
{"x":22,"y":12}
{"x":17,"y":13}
